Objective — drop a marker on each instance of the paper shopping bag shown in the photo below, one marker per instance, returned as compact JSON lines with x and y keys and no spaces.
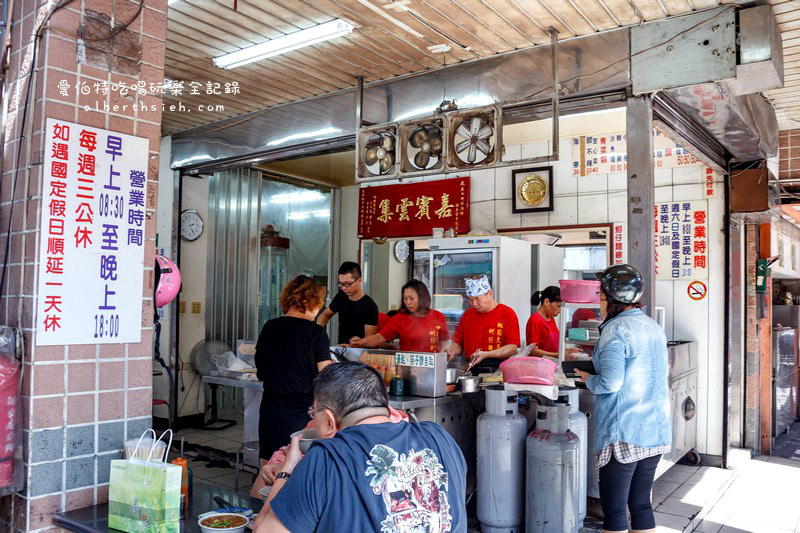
{"x":144,"y":496}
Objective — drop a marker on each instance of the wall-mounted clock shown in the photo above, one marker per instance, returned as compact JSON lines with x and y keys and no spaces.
{"x":191,"y":225}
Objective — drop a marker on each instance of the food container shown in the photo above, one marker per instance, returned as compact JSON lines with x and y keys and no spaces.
{"x":529,"y":370}
{"x":452,"y":375}
{"x":580,"y":291}
{"x":469,"y":383}
{"x":227,"y":522}
{"x":309,"y":436}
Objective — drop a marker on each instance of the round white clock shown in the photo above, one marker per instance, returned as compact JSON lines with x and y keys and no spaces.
{"x":401,"y":251}
{"x":191,"y":225}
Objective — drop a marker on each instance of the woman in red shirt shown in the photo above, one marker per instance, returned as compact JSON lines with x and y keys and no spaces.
{"x":420,"y":328}
{"x":541,"y":328}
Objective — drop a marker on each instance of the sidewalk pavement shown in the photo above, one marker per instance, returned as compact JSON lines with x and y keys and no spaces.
{"x":760,"y":496}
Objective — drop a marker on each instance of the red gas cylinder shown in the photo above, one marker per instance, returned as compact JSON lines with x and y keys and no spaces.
{"x":9,"y":386}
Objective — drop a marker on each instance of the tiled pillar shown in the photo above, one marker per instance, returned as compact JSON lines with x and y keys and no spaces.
{"x":789,"y":163}
{"x":753,"y":352}
{"x":79,"y":402}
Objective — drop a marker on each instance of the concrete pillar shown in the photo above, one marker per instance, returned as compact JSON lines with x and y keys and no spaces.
{"x":641,"y":195}
{"x":80,"y":402}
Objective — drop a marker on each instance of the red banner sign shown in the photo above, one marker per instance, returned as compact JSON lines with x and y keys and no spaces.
{"x":413,"y":209}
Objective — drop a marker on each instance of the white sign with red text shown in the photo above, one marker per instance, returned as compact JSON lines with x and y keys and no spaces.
{"x":681,"y":240}
{"x":91,"y":250}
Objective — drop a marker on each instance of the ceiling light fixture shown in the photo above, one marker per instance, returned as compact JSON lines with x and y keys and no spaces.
{"x":287,"y":43}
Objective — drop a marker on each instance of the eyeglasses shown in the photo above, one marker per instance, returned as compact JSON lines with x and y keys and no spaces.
{"x":313,"y":410}
{"x":346,"y":284}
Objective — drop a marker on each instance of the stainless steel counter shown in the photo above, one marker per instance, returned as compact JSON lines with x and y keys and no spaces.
{"x":232,"y":382}
{"x":414,"y":402}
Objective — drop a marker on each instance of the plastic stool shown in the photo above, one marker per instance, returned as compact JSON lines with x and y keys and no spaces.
{"x":251,"y":446}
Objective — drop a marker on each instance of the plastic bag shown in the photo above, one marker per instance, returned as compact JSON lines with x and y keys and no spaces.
{"x":12,"y":476}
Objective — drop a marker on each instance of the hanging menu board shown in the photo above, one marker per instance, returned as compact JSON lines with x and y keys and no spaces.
{"x":91,"y":249}
{"x":608,"y":154}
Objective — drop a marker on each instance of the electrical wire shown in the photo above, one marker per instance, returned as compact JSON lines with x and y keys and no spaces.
{"x":631,"y":56}
{"x":36,"y":39}
{"x":116,"y":31}
{"x":194,"y":380}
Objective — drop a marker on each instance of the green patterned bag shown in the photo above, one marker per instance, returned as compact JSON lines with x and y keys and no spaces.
{"x":144,"y":495}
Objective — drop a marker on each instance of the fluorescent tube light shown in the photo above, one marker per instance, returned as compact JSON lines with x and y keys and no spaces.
{"x":287,"y":43}
{"x":291,"y":197}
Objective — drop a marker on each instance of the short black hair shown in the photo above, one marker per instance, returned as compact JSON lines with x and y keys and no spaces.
{"x":348,"y":386}
{"x":349,"y":267}
{"x":551,"y":293}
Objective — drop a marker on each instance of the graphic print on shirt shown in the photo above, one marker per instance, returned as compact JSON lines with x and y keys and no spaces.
{"x":413,"y":488}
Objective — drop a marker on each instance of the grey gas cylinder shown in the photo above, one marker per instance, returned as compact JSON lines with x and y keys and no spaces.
{"x":551,"y":504}
{"x":578,"y":424}
{"x":501,"y":464}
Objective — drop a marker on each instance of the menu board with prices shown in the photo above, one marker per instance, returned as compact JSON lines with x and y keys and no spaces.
{"x":681,"y":240}
{"x":608,"y":154}
{"x":91,"y":251}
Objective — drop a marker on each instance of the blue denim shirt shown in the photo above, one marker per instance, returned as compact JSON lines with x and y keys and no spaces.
{"x":632,"y":403}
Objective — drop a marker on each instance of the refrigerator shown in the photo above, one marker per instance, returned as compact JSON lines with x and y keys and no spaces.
{"x":784,"y":379}
{"x":505,"y":261}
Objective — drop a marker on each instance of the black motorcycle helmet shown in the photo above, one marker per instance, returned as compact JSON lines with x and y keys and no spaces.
{"x":623,"y":283}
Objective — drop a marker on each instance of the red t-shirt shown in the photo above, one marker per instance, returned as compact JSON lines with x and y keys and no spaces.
{"x":543,"y":332}
{"x":417,"y":334}
{"x":383,"y":319}
{"x":487,"y":331}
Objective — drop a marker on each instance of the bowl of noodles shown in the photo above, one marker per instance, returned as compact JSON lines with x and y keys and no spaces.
{"x":227,"y":522}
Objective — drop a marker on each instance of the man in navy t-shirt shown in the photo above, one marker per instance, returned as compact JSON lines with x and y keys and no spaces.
{"x":372,"y":475}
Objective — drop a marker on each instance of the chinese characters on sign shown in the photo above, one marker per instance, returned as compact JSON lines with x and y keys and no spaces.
{"x":92,"y":245}
{"x":619,"y":244}
{"x":424,"y":360}
{"x":681,"y":240}
{"x":608,"y":153}
{"x":413,"y":209}
{"x":709,"y":183}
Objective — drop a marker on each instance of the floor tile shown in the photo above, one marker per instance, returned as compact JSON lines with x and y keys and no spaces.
{"x":676,"y":507}
{"x":708,"y":526}
{"x":662,"y":486}
{"x":676,"y":476}
{"x":671,"y":521}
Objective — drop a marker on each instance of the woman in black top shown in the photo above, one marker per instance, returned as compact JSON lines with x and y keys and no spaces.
{"x":290,"y":352}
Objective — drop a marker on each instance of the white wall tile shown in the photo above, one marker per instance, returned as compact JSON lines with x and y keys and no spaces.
{"x":565,"y":211}
{"x":663,"y":194}
{"x":503,"y":217}
{"x":618,"y":181}
{"x":592,"y":184}
{"x":512,"y":152}
{"x":687,"y":192}
{"x":687,"y":175}
{"x":535,"y":220}
{"x":618,"y":207}
{"x":535,"y":149}
{"x":502,"y":183}
{"x":481,"y":185}
{"x":481,"y":215}
{"x":593,"y":209}
{"x":663,"y":176}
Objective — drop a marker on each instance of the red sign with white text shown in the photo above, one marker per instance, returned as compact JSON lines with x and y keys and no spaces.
{"x":413,"y":209}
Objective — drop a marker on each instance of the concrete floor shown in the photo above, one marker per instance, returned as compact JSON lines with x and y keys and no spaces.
{"x":759,"y":496}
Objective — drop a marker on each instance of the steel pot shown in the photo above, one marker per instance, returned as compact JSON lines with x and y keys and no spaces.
{"x":469,"y":383}
{"x":452,"y":375}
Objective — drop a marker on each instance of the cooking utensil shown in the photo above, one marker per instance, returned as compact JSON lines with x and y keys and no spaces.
{"x":469,"y":383}
{"x":452,"y":375}
{"x":221,"y":502}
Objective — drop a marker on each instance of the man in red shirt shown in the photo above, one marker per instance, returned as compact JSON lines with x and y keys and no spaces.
{"x":488,"y":332}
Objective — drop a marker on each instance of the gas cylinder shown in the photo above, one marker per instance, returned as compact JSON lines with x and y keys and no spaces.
{"x":9,"y":386}
{"x":551,"y":504}
{"x":578,"y":424}
{"x":501,"y":463}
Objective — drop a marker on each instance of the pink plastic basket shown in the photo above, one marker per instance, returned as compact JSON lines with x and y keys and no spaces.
{"x":529,"y":370}
{"x":579,"y":291}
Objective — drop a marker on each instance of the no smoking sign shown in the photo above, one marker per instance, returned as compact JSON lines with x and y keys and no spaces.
{"x":697,"y":290}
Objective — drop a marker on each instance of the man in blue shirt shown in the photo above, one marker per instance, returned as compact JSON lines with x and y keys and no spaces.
{"x":372,"y":475}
